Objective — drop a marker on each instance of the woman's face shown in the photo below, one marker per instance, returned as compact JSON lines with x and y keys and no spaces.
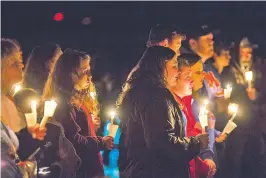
{"x":82,"y":77}
{"x":12,"y":72}
{"x":171,"y":72}
{"x":197,"y":75}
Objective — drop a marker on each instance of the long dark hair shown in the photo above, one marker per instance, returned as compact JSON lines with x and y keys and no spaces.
{"x":59,"y":82}
{"x":150,"y":68}
{"x":40,"y":61}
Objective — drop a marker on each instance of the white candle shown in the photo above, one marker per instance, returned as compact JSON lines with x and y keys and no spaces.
{"x":34,"y":106}
{"x":44,"y":121}
{"x":249,"y":77}
{"x":112,"y":114}
{"x":49,"y":108}
{"x":203,"y":116}
{"x":233,"y":108}
{"x":228,"y":91}
{"x":230,"y":126}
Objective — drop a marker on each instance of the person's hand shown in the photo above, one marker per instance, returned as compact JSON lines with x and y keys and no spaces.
{"x":96,"y":122}
{"x":221,"y":138}
{"x":211,"y":167}
{"x":198,"y":126}
{"x":108,"y":142}
{"x":37,"y":132}
{"x":203,"y":139}
{"x":251,"y":93}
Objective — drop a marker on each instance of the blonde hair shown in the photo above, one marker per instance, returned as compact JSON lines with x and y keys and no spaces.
{"x":10,"y":51}
{"x":90,"y":102}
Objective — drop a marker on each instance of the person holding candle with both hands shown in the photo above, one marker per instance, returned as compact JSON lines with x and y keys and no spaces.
{"x":11,"y":74}
{"x":60,"y":156}
{"x":191,"y":109}
{"x":66,"y":83}
{"x":203,"y":165}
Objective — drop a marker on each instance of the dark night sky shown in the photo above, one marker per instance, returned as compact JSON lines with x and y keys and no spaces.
{"x":119,"y":30}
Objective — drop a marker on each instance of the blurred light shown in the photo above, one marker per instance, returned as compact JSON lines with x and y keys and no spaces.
{"x":44,"y":171}
{"x":232,"y":108}
{"x":86,"y":21}
{"x":249,"y":75}
{"x":112,"y":113}
{"x":17,"y":88}
{"x":206,"y":102}
{"x":59,"y":16}
{"x":228,"y":87}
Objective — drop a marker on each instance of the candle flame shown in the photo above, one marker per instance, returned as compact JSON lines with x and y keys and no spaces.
{"x":206,"y":102}
{"x":112,"y":113}
{"x":233,"y":108}
{"x":228,"y":87}
{"x":249,"y":75}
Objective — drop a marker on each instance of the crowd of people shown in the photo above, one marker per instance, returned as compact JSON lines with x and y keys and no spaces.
{"x":164,"y":132}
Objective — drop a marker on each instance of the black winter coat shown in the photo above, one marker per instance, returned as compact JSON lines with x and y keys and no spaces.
{"x":152,"y":142}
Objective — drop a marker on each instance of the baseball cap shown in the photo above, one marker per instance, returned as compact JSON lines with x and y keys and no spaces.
{"x":202,"y":30}
{"x":223,"y":45}
{"x":162,"y":31}
{"x":245,"y":43}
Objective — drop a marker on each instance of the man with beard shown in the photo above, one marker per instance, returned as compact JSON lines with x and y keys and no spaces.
{"x":244,"y":153}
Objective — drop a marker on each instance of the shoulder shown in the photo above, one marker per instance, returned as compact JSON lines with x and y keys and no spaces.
{"x":64,"y":112}
{"x":163,"y":98}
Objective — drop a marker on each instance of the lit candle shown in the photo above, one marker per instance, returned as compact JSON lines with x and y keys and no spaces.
{"x":249,"y":77}
{"x":112,"y":114}
{"x":227,"y":91}
{"x":233,"y":108}
{"x":49,"y":109}
{"x":203,"y":115}
{"x":34,"y":106}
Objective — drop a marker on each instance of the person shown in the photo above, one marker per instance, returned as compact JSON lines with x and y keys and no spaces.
{"x":216,"y":65}
{"x":41,"y":60}
{"x":200,"y":41}
{"x":68,"y":78}
{"x":183,"y":96}
{"x":152,"y":130}
{"x":60,"y":156}
{"x":242,"y":160}
{"x":11,"y":73}
{"x":164,"y":35}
